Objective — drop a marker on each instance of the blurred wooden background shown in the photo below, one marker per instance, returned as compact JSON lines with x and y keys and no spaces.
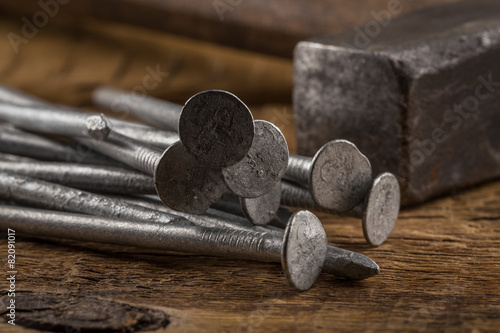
{"x":439,"y":270}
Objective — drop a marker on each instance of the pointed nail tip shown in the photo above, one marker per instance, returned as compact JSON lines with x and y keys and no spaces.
{"x":366,"y":268}
{"x":372,"y":268}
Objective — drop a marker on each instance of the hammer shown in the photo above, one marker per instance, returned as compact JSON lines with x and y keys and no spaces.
{"x":419,"y":95}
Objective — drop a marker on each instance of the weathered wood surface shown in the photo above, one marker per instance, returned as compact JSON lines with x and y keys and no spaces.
{"x":439,"y":270}
{"x":65,"y":63}
{"x":266,"y":26}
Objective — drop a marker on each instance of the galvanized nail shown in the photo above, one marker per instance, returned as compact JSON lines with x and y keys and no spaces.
{"x":214,"y":125}
{"x":338,"y":176}
{"x":302,"y":250}
{"x":379,"y":210}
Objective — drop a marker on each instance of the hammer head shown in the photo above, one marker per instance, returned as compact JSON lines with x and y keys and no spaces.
{"x":419,"y":95}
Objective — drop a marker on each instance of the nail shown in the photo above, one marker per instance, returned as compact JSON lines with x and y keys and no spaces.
{"x":338,"y":176}
{"x":14,"y":96}
{"x":18,"y":142}
{"x":15,"y":158}
{"x":258,"y":172}
{"x":339,"y":262}
{"x":254,"y":175}
{"x":301,"y":251}
{"x":263,"y":209}
{"x":214,"y":125}
{"x":29,"y":191}
{"x":86,"y":177}
{"x":38,"y":193}
{"x":123,"y":181}
{"x":260,"y":210}
{"x":379,"y":210}
{"x":52,"y":120}
{"x":180,"y":181}
{"x":152,"y":110}
{"x":145,"y":134}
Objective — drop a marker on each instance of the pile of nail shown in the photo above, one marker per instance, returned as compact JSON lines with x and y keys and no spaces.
{"x":202,"y":178}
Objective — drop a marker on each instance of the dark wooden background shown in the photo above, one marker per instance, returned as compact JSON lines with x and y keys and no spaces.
{"x":440,"y":269}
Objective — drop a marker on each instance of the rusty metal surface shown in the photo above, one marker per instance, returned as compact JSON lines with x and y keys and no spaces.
{"x":419,"y":99}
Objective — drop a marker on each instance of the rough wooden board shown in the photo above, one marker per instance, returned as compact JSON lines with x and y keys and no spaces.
{"x":265,"y":26}
{"x":440,"y":268}
{"x":439,"y":271}
{"x":64,"y":64}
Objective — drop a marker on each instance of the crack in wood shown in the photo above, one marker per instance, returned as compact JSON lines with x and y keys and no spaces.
{"x":63,"y":313}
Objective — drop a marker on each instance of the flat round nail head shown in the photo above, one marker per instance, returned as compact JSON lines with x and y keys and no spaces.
{"x":216,"y":127}
{"x":340,"y":176}
{"x":262,"y":167}
{"x":184,"y":184}
{"x":304,"y":249}
{"x":381,"y":209}
{"x":263,"y":209}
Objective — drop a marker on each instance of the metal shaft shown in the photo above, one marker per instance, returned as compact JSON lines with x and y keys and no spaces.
{"x":85,"y":177}
{"x":39,"y":193}
{"x":142,"y":133}
{"x":51,"y":196}
{"x":156,"y":112}
{"x":48,"y":119}
{"x":129,"y":151}
{"x":145,"y":134}
{"x":18,"y":142}
{"x":103,"y":179}
{"x":298,"y":169}
{"x":152,"y":234}
{"x":13,"y":96}
{"x":338,"y":262}
{"x":15,"y":158}
{"x":211,"y":218}
{"x":296,"y":195}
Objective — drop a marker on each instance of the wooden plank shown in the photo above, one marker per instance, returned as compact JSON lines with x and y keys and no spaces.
{"x":439,"y":271}
{"x":260,"y":25}
{"x":64,"y":64}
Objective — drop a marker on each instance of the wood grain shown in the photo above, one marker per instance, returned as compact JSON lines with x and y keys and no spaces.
{"x":273,"y":27}
{"x":439,"y":269}
{"x":65,"y":63}
{"x":439,"y":272}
